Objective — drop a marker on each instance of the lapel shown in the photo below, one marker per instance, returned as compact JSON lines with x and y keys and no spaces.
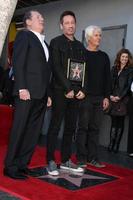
{"x":39,"y":43}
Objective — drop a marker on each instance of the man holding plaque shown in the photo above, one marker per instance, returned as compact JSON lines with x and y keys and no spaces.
{"x":68,"y":66}
{"x":97,"y":99}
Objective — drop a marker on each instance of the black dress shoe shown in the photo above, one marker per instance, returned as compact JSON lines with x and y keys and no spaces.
{"x":29,"y":172}
{"x":15,"y":175}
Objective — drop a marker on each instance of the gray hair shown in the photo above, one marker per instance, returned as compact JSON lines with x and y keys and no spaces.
{"x":90,"y":30}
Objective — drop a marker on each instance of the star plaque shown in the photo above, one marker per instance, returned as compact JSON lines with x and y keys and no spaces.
{"x":76,"y":71}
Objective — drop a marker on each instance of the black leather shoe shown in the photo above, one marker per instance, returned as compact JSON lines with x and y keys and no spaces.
{"x":29,"y":172}
{"x":14,"y":175}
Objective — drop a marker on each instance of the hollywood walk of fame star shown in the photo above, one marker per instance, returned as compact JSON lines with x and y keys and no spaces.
{"x":74,"y":178}
{"x":76,"y":72}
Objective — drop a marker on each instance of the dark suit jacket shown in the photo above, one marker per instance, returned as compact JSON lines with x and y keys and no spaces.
{"x":31,"y":70}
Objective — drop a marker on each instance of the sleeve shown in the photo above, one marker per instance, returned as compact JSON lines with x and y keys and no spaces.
{"x":85,"y":87}
{"x":113,"y":78}
{"x":57,"y":66}
{"x":20,"y":55}
{"x":107,"y":78}
{"x":49,"y":89}
{"x":126,"y":89}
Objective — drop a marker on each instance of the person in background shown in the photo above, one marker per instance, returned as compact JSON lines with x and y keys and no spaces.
{"x":31,"y":75}
{"x":1,"y":80}
{"x":7,"y":86}
{"x":66,"y":93}
{"x":130,"y":124}
{"x":96,"y":101}
{"x":121,"y":75}
{"x":1,"y":73}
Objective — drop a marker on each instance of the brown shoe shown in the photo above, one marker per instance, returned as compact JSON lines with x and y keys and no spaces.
{"x":96,"y":164}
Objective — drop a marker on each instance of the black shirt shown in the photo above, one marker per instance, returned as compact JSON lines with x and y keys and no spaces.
{"x":98,"y":73}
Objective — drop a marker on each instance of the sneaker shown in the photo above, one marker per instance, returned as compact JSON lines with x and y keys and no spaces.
{"x":70,"y":166}
{"x":96,"y":164}
{"x":82,"y":164}
{"x":52,"y":169}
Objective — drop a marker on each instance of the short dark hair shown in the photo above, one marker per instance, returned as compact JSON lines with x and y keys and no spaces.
{"x":28,"y":15}
{"x":65,"y":13}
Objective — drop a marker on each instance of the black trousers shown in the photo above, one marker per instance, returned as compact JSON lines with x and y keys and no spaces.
{"x":26,"y":129}
{"x":116,"y":132}
{"x":66,"y":109}
{"x":90,"y":115}
{"x":117,"y":122}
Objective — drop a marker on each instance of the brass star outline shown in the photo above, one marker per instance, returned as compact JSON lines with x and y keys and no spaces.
{"x":74,"y":178}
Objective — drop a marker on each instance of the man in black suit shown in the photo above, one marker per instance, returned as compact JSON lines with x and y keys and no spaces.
{"x":31,"y":74}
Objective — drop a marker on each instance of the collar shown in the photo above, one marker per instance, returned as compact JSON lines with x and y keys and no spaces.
{"x":69,"y":39}
{"x":39,"y":35}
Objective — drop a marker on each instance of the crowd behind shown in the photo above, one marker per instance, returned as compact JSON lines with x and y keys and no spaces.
{"x":83,"y":86}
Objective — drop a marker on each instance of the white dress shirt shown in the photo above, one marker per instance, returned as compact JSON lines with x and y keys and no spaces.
{"x":41,"y":37}
{"x":132,"y":87}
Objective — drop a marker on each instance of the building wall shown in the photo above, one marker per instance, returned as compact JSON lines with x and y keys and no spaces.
{"x":103,"y":13}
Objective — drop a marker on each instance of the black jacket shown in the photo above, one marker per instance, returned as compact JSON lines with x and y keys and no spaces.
{"x":31,"y":70}
{"x":121,"y":83}
{"x":61,"y":48}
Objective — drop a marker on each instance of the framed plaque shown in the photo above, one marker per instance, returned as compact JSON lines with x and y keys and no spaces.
{"x":76,"y":71}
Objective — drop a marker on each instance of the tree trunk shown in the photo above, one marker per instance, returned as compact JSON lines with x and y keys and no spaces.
{"x":7,"y":8}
